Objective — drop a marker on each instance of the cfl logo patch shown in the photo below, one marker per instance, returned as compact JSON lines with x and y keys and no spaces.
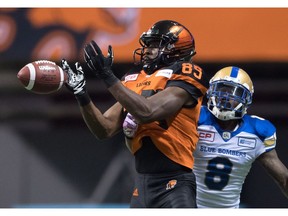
{"x":171,"y":184}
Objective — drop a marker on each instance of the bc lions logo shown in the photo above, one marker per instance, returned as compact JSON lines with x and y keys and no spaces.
{"x":171,"y":184}
{"x":135,"y":192}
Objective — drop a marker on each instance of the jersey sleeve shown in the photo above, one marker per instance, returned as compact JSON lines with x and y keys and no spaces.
{"x":191,"y":89}
{"x":266,"y":132}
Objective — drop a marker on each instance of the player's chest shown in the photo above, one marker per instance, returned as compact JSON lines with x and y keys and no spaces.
{"x":143,"y":84}
{"x":241,"y":146}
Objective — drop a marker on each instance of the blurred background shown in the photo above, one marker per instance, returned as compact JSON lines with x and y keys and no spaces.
{"x":49,"y":158}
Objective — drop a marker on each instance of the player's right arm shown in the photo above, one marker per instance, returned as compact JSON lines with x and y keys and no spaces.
{"x":269,"y":159}
{"x":101,"y":125}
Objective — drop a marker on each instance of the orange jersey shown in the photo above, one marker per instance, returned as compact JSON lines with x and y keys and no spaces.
{"x":176,"y":136}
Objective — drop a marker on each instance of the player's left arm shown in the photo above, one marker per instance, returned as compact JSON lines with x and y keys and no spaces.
{"x":159,"y":106}
{"x":276,"y":169}
{"x":187,"y":84}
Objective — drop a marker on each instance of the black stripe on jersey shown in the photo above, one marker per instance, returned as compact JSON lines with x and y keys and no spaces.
{"x":177,"y":69}
{"x":134,"y":70}
{"x":191,"y":89}
{"x":146,"y":156}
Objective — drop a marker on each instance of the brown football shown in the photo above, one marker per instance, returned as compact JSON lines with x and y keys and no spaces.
{"x":42,"y":77}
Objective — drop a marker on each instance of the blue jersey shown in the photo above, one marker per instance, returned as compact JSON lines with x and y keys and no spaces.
{"x":224,"y":158}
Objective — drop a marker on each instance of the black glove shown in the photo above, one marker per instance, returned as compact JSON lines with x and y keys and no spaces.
{"x":76,"y":82}
{"x":100,"y":65}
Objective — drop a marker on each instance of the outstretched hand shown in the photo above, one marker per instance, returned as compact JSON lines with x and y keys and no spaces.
{"x":99,"y":64}
{"x":76,"y":81}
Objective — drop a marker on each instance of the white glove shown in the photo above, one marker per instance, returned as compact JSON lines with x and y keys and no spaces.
{"x":76,"y":81}
{"x":130,"y":126}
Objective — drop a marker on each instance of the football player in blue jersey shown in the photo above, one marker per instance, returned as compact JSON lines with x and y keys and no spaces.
{"x":231,"y":140}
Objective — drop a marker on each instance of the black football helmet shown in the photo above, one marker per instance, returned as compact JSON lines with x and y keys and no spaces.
{"x":174,"y":42}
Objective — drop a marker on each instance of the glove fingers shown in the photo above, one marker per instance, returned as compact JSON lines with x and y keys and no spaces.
{"x":89,"y":52}
{"x":86,"y":57}
{"x":96,"y":47}
{"x":110,"y":55}
{"x":76,"y":80}
{"x":89,"y":55}
{"x":110,"y":52}
{"x":78,"y":68}
{"x":67,"y":69}
{"x":64,"y":64}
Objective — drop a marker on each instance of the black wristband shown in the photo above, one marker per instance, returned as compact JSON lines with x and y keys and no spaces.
{"x":83,"y":99}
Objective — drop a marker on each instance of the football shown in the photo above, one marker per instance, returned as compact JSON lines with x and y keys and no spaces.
{"x":42,"y":77}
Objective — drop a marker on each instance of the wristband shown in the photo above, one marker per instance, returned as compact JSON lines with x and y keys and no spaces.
{"x":83,"y":99}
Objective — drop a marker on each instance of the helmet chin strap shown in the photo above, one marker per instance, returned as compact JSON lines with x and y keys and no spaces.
{"x":149,"y":69}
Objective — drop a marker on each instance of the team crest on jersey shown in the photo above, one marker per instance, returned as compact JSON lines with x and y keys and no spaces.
{"x":135,"y":192}
{"x":171,"y":184}
{"x":131,"y":77}
{"x":208,"y":136}
{"x":226,"y":135}
{"x":247,"y":142}
{"x":165,"y":73}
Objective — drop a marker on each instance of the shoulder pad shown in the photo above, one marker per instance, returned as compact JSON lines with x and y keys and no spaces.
{"x":265,"y":130}
{"x":204,"y":116}
{"x":191,"y":70}
{"x":134,"y":70}
{"x":184,"y":67}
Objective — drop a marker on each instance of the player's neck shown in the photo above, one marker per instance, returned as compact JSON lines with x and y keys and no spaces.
{"x":230,"y":125}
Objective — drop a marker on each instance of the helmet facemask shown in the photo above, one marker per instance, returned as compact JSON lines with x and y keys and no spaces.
{"x":228,"y":100}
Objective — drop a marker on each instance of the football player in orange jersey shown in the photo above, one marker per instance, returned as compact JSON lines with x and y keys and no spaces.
{"x":164,"y":97}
